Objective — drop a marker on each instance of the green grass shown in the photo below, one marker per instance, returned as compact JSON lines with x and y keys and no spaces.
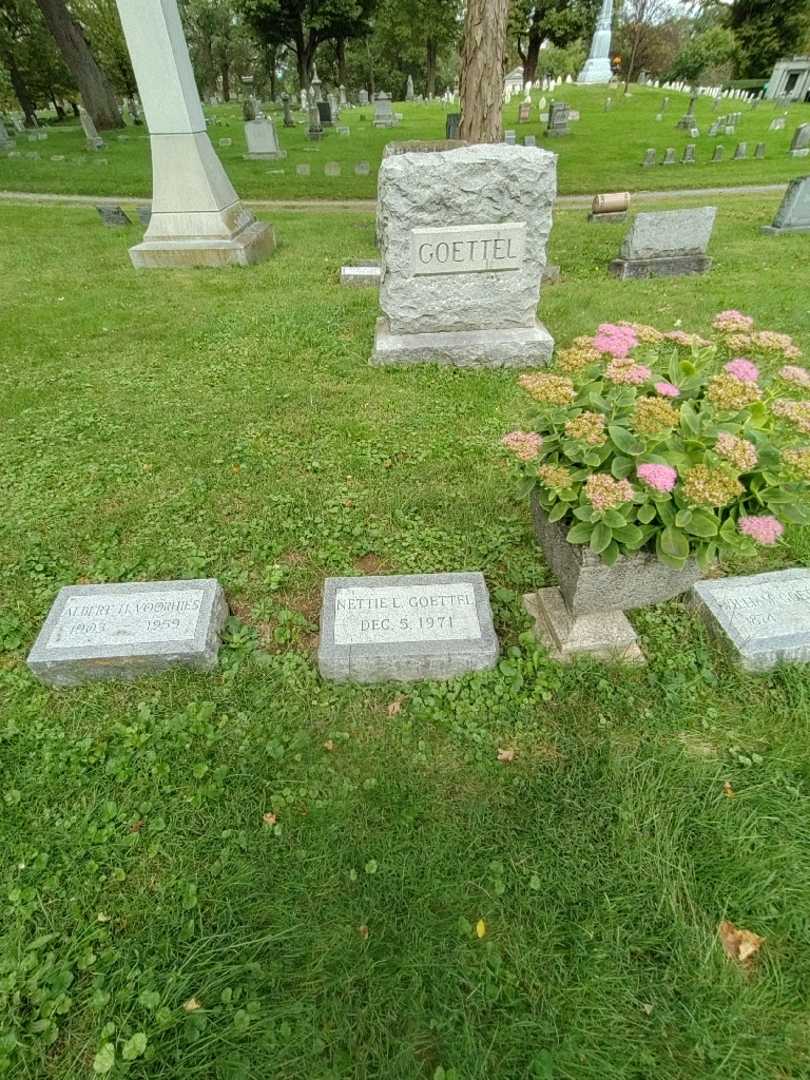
{"x":603,"y":152}
{"x":226,"y":423}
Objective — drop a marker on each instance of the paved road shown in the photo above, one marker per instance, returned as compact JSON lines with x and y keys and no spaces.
{"x":370,"y":205}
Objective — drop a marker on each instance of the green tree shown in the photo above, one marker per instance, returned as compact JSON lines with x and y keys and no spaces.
{"x":101,"y":24}
{"x":704,"y":52}
{"x":220,"y":44}
{"x":765,"y":31}
{"x":560,"y":22}
{"x":34,"y":67}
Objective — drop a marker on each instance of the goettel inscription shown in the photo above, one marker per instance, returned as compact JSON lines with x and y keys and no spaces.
{"x":464,"y":249}
{"x":408,"y":627}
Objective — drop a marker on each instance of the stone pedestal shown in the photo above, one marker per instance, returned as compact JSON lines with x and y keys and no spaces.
{"x":197,"y":218}
{"x":669,"y":266}
{"x":607,"y":635}
{"x":597,"y":67}
{"x":619,"y":215}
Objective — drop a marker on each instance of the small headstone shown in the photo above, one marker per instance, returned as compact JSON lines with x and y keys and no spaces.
{"x":760,"y":150}
{"x":793,"y":215}
{"x":669,"y":156}
{"x":360,"y":275}
{"x":124,"y":631}
{"x":558,"y":119}
{"x":325,"y":114}
{"x":524,"y":112}
{"x":144,"y":215}
{"x":362,"y":97}
{"x":362,"y":168}
{"x":303,"y":170}
{"x":406,"y":628}
{"x":451,"y":125}
{"x":719,"y":152}
{"x":225,"y":142}
{"x":409,"y":95}
{"x":741,"y":151}
{"x":113,"y":216}
{"x":331,"y":168}
{"x":664,"y":104}
{"x":343,"y":130}
{"x":510,"y":138}
{"x":694,"y":133}
{"x":289,"y":120}
{"x":32,"y":155}
{"x":659,"y":117}
{"x":729,"y":129}
{"x":801,"y":138}
{"x":529,"y":140}
{"x":649,"y":158}
{"x":262,"y":141}
{"x":315,"y":130}
{"x":666,"y":244}
{"x":777,"y":124}
{"x":688,"y":157}
{"x":713,"y":130}
{"x":764,"y":619}
{"x":383,"y":113}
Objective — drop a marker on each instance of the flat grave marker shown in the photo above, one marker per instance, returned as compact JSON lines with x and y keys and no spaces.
{"x":406,"y":627}
{"x":123,"y":631}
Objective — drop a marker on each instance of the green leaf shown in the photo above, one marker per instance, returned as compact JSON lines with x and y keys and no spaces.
{"x":614,"y":519}
{"x":584,"y":513}
{"x":134,"y":1047}
{"x":104,"y":1059}
{"x":622,"y":466}
{"x":629,"y":535}
{"x":579,"y":533}
{"x":150,"y":999}
{"x":797,"y":514}
{"x":665,"y":511}
{"x":701,"y":523}
{"x":682,"y":518}
{"x":674,"y":543}
{"x":557,"y":511}
{"x":624,"y":440}
{"x":526,"y":486}
{"x":611,"y":553}
{"x":646,"y":513}
{"x":600,"y":537}
{"x":690,"y":421}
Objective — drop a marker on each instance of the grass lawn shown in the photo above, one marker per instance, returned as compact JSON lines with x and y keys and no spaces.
{"x":226,"y":423}
{"x":603,"y":152}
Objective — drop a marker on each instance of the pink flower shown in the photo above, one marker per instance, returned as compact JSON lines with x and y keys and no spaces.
{"x":604,"y":492}
{"x":667,"y":389}
{"x":732,"y":320}
{"x":626,"y":372}
{"x":742,"y":369}
{"x":765,"y":530}
{"x":660,"y":477}
{"x":615,"y":340}
{"x":524,"y":444}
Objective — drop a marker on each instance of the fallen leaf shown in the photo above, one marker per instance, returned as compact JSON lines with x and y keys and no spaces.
{"x":740,"y":945}
{"x":101,"y":917}
{"x":729,"y":791}
{"x":363,"y":932}
{"x":192,"y":1005}
{"x":136,"y":826}
{"x":329,"y":745}
{"x":269,"y":819}
{"x":480,"y":928}
{"x":395,"y":707}
{"x":647,"y":1008}
{"x":506,"y":755}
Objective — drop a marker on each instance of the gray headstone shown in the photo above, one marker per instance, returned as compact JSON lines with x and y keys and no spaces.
{"x":362,"y":97}
{"x":688,"y":154}
{"x":57,"y":157}
{"x":144,"y":214}
{"x":729,"y":129}
{"x":666,"y":233}
{"x":451,"y":125}
{"x":383,"y":113}
{"x":558,"y":119}
{"x":719,"y":152}
{"x":332,"y":168}
{"x":303,"y":170}
{"x":649,"y":158}
{"x":362,"y":168}
{"x":793,"y":214}
{"x":741,"y":151}
{"x":669,"y":156}
{"x":343,"y":130}
{"x":362,"y":274}
{"x":406,"y":628}
{"x":760,"y":150}
{"x":764,"y":619}
{"x":529,"y":140}
{"x":713,"y":130}
{"x":777,"y":124}
{"x":262,"y":141}
{"x":124,"y":631}
{"x":801,"y":137}
{"x":226,"y":142}
{"x":510,"y":138}
{"x":113,"y":215}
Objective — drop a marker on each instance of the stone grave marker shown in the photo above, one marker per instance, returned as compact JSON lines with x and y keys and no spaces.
{"x":225,"y":142}
{"x":325,"y":114}
{"x":649,"y":158}
{"x":713,"y":130}
{"x":669,"y":156}
{"x":144,"y":215}
{"x":362,"y":168}
{"x":763,"y":619}
{"x":342,"y":130}
{"x":112,"y":216}
{"x":666,"y":244}
{"x":777,"y":124}
{"x":719,"y":152}
{"x":729,"y":129}
{"x":451,"y":125}
{"x":303,"y":169}
{"x":510,"y":138}
{"x":405,"y":628}
{"x":462,"y":236}
{"x":801,"y":139}
{"x":524,"y":112}
{"x":262,"y":141}
{"x":558,"y":119}
{"x":793,"y":215}
{"x":362,"y":97}
{"x":687,"y":121}
{"x":694,"y":133}
{"x":741,"y":151}
{"x":760,"y":150}
{"x":331,"y":168}
{"x":124,"y":631}
{"x":360,"y":274}
{"x":289,"y":120}
{"x":57,"y":157}
{"x":383,"y":113}
{"x":92,"y":137}
{"x":688,"y":157}
{"x":529,"y":140}
{"x":659,"y":117}
{"x":32,"y":155}
{"x":610,"y":207}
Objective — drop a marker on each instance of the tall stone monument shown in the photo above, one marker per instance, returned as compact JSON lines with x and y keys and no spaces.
{"x":597,"y":67}
{"x":197,"y":218}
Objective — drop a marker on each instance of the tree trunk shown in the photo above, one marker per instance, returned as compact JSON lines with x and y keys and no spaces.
{"x":94,"y":88}
{"x":226,"y":82}
{"x":20,"y":89}
{"x":340,"y":50}
{"x":482,"y":56}
{"x":75,"y":108}
{"x":60,"y":112}
{"x":270,"y":68}
{"x":532,"y":55}
{"x":632,"y":62}
{"x":432,"y":51}
{"x":371,"y":88}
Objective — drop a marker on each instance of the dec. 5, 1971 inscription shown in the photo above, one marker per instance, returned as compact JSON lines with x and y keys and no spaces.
{"x":405,"y":613}
{"x":464,"y":249}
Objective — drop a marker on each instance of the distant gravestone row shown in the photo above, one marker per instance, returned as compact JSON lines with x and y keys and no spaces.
{"x":334,"y":168}
{"x":689,"y":155}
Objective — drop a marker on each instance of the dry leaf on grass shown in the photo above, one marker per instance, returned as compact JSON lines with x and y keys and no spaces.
{"x":192,"y":1004}
{"x":506,"y":755}
{"x":329,"y":745}
{"x":269,"y":819}
{"x":647,"y":1008}
{"x":480,"y":928}
{"x":363,"y":932}
{"x":395,"y":707}
{"x":729,"y":791}
{"x":739,"y":945}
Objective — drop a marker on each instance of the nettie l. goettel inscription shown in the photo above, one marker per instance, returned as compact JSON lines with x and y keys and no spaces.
{"x":464,"y":249}
{"x":405,"y":613}
{"x":109,"y":619}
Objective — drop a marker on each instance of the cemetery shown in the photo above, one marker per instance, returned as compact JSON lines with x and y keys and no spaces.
{"x":405,"y":583}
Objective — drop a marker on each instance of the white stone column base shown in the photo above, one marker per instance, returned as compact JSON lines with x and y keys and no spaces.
{"x":254,"y":243}
{"x":596,"y":71}
{"x":519,"y":347}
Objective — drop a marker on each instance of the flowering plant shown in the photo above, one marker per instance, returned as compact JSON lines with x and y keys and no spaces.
{"x":669,"y":442}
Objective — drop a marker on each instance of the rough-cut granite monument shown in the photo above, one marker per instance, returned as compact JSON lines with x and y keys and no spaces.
{"x":666,"y":244}
{"x":462,"y":235}
{"x":405,"y":627}
{"x":124,"y":631}
{"x":197,"y":218}
{"x":793,"y":216}
{"x":764,"y":619}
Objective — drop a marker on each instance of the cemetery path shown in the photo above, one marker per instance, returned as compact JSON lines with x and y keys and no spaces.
{"x":369,"y":205}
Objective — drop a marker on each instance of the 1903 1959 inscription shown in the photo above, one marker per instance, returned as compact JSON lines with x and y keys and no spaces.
{"x":106,"y":619}
{"x":406,"y":627}
{"x":464,"y":249}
